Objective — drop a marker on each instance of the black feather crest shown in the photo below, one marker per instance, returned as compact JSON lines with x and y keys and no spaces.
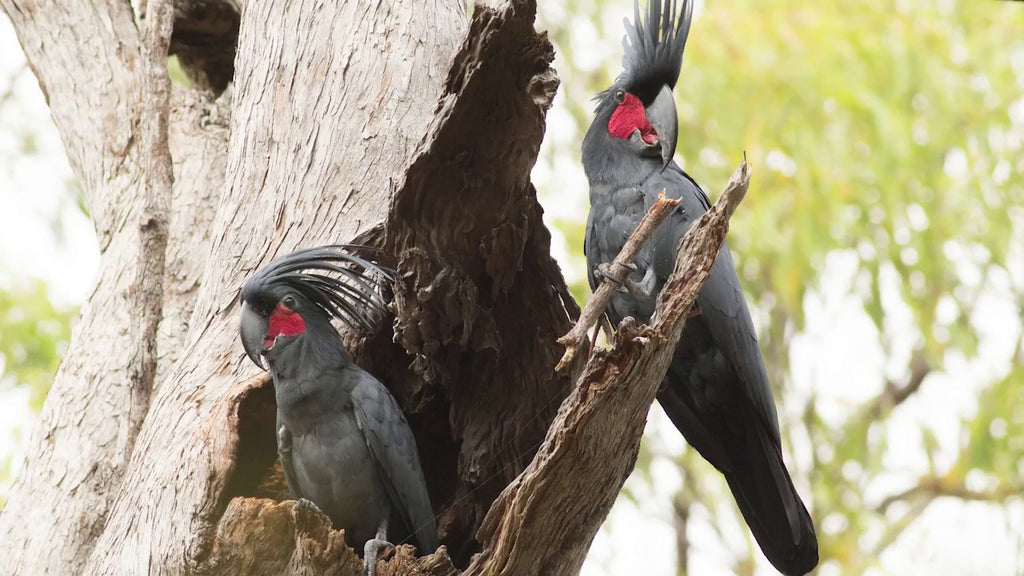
{"x":653,"y":51}
{"x":352,"y":294}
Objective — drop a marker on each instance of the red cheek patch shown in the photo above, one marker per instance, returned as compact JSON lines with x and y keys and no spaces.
{"x":283,"y":321}
{"x":629,"y":116}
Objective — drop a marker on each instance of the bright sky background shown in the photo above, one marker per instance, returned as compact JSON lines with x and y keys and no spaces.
{"x":838,"y":356}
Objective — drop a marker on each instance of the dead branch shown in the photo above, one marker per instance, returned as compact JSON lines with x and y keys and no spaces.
{"x":153,"y":219}
{"x":928,"y":488}
{"x":598,"y":303}
{"x":260,"y":537}
{"x":545,"y":520}
{"x":698,"y":250}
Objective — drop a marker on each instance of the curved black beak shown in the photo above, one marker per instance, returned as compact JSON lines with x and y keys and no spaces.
{"x":253,"y":328}
{"x":662,"y":116}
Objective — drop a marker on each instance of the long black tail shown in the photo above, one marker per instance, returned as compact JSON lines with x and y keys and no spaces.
{"x":752,"y":463}
{"x":777,"y":517}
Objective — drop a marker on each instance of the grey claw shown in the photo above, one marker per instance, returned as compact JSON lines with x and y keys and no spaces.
{"x":645,"y":287}
{"x":603,"y":273}
{"x":303,"y":504}
{"x":371,"y":552}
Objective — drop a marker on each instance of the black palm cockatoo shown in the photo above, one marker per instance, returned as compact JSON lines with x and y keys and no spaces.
{"x":343,"y":441}
{"x":716,"y":391}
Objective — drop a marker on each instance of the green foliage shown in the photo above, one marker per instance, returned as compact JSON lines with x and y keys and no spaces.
{"x":33,"y":337}
{"x":995,"y":437}
{"x":892,"y":132}
{"x":177,"y":74}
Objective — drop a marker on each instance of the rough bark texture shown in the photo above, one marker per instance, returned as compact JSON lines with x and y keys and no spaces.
{"x":87,"y":60}
{"x":397,"y":124}
{"x":390,"y":122}
{"x":158,"y":181}
{"x":199,"y":132}
{"x":479,"y":301}
{"x":319,"y":131}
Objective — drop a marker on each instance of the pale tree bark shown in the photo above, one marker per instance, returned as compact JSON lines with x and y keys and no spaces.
{"x":402,"y":125}
{"x":86,"y":60}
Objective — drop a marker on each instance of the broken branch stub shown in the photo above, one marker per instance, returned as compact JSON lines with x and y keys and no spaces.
{"x":545,"y":520}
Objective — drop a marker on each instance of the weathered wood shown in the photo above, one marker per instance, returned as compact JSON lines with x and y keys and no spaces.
{"x":544,"y":521}
{"x":458,"y":224}
{"x":87,"y":57}
{"x":260,"y":537}
{"x":157,"y":179}
{"x":480,"y":301}
{"x":319,"y":130}
{"x":198,"y":138}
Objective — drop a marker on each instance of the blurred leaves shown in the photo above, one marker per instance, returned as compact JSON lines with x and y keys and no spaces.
{"x":176,"y":72}
{"x":33,"y":337}
{"x":994,"y":439}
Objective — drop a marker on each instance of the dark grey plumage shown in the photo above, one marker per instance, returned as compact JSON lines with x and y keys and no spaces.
{"x":716,"y":391}
{"x":343,"y":440}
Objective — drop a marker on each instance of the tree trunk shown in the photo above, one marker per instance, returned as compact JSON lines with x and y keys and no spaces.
{"x":401,"y":125}
{"x":341,"y":119}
